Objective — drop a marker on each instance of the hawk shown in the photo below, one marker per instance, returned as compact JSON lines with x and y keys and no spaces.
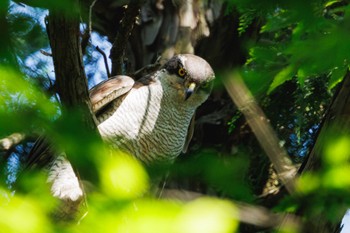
{"x":148,"y":118}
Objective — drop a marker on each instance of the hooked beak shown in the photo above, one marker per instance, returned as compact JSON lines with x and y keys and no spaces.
{"x":189,"y":90}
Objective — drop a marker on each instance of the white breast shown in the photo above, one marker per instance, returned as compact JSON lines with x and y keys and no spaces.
{"x":148,"y":124}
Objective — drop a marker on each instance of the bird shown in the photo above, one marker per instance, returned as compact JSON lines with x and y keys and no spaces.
{"x":149,"y":118}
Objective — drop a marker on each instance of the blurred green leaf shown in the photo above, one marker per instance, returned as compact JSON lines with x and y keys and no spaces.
{"x":337,"y":75}
{"x":22,"y":104}
{"x":308,"y":183}
{"x":337,"y":151}
{"x":23,"y":214}
{"x":337,"y":177}
{"x":123,"y":177}
{"x":207,"y":215}
{"x":283,"y":76}
{"x":277,"y":21}
{"x":330,"y":3}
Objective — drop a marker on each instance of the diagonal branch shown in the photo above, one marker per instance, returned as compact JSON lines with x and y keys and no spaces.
{"x":104,"y":60}
{"x":11,"y":141}
{"x":261,"y":128}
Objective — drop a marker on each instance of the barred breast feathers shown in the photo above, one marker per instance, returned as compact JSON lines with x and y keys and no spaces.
{"x":147,"y":123}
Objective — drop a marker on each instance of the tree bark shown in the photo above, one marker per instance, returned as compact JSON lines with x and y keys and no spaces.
{"x":71,"y":82}
{"x":339,"y":114}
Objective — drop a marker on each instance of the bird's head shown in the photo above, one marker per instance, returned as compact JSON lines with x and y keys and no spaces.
{"x":191,"y":76}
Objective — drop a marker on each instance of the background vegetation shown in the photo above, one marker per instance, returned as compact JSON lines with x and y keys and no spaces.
{"x":290,"y":113}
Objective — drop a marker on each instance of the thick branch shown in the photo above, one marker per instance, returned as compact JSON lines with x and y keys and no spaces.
{"x":262,"y":129}
{"x":11,"y":141}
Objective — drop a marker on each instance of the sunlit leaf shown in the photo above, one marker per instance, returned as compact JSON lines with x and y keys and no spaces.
{"x":337,"y":151}
{"x":308,"y":183}
{"x":207,"y":215}
{"x":337,"y":177}
{"x":337,"y":75}
{"x":330,"y":3}
{"x":122,"y":176}
{"x":23,"y":214}
{"x":149,"y":216}
{"x":13,"y":86}
{"x":283,"y":76}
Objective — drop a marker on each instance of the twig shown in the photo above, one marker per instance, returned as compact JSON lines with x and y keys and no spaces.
{"x":87,"y":32}
{"x":11,"y":141}
{"x":20,"y":4}
{"x":45,"y":53}
{"x":105,"y":60}
{"x":261,"y":128}
{"x":90,"y":17}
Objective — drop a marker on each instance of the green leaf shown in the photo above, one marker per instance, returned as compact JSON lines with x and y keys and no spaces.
{"x":301,"y":77}
{"x":337,"y":75}
{"x":279,"y":20}
{"x":282,"y":76}
{"x":330,"y":3}
{"x":123,"y":177}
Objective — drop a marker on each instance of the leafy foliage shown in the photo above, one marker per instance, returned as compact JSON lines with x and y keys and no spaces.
{"x":301,"y":55}
{"x":297,"y":40}
{"x":120,"y":202}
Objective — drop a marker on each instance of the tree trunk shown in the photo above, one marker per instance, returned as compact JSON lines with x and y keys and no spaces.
{"x":336,"y":121}
{"x":71,"y":82}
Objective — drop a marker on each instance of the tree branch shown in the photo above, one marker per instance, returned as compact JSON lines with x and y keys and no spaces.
{"x":11,"y":141}
{"x":261,"y":128}
{"x":104,"y":60}
{"x":336,"y":123}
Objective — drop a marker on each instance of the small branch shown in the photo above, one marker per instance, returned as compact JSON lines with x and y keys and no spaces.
{"x":262,"y":129}
{"x":11,"y":141}
{"x":20,"y":4}
{"x":120,"y":43}
{"x":105,"y":60}
{"x":90,"y":16}
{"x":45,"y":53}
{"x":87,"y":32}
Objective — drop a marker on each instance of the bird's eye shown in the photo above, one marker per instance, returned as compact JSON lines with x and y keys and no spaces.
{"x":181,"y":72}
